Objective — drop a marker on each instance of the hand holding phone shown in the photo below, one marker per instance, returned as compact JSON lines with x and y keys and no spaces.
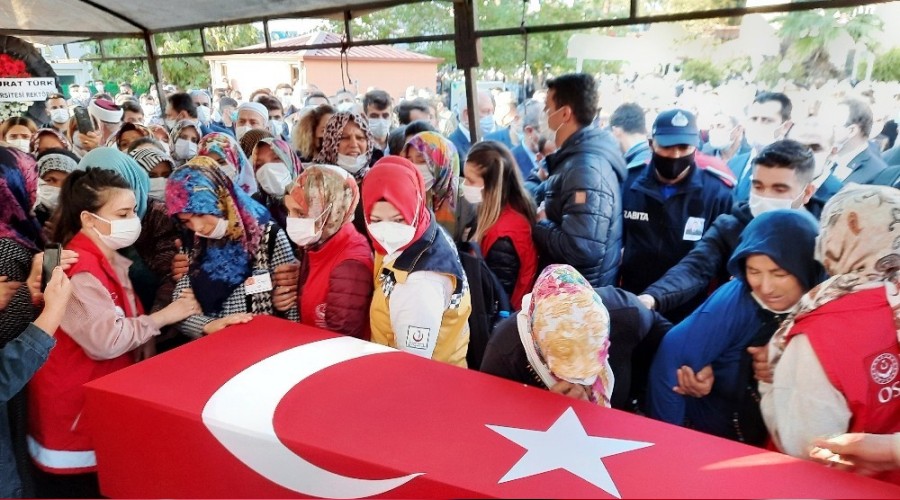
{"x":52,"y":258}
{"x":83,"y":120}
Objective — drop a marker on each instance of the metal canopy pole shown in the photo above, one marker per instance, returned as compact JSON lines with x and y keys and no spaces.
{"x":468,"y":56}
{"x":155,"y":70}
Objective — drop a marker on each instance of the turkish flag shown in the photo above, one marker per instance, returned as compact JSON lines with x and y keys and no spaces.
{"x":277,"y":409}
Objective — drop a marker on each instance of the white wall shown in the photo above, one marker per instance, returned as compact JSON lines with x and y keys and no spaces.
{"x":252,"y":74}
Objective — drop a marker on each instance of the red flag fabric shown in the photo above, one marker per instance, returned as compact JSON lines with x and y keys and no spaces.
{"x":276,"y":409}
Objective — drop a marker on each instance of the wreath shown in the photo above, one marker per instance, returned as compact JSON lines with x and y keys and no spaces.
{"x":19,"y":59}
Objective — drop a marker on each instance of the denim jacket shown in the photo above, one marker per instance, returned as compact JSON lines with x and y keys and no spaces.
{"x":19,"y":360}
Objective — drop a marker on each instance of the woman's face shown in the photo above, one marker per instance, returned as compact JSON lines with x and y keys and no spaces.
{"x":199,"y":223}
{"x":189,"y":133}
{"x":223,"y":162}
{"x":472,"y":175}
{"x":162,"y":169}
{"x":413,"y":155}
{"x":778,"y":289}
{"x":48,"y":141}
{"x":385,"y":212}
{"x":320,"y":130}
{"x":264,"y":154}
{"x":353,"y":140}
{"x":18,"y":132}
{"x":55,"y":178}
{"x":127,"y":138}
{"x":120,"y":205}
{"x":295,"y":210}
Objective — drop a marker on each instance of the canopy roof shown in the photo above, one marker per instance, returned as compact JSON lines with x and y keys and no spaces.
{"x":53,"y":22}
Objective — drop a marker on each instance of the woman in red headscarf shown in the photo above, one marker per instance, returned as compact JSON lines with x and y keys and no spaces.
{"x":421,"y":303}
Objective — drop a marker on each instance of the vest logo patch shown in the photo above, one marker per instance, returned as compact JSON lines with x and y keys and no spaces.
{"x":633,"y":215}
{"x":884,"y":368}
{"x":417,"y":337}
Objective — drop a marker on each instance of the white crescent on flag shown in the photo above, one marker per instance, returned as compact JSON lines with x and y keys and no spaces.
{"x":240,"y":416}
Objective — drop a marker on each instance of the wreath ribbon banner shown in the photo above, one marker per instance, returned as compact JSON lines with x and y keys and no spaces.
{"x":26,"y":89}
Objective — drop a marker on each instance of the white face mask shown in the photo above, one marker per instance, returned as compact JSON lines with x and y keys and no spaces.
{"x":720,"y":138}
{"x":229,"y":170}
{"x":47,"y":195}
{"x":352,"y":164}
{"x":427,"y":175}
{"x":218,"y":232}
{"x":392,"y":236}
{"x":379,"y":127}
{"x":158,"y":188}
{"x":185,"y":149}
{"x":274,"y":178}
{"x":761,"y":204}
{"x":302,"y":230}
{"x":23,"y":145}
{"x":276,"y":127}
{"x":760,"y":135}
{"x":472,"y":194}
{"x":240,"y":131}
{"x":122,"y":232}
{"x":203,"y":114}
{"x":59,"y":115}
{"x":170,"y":123}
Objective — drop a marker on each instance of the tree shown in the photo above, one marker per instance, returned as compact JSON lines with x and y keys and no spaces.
{"x":184,"y":72}
{"x":701,"y":71}
{"x":887,"y":66}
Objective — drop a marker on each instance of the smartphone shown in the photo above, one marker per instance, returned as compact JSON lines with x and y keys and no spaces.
{"x":83,"y":120}
{"x":52,"y":257}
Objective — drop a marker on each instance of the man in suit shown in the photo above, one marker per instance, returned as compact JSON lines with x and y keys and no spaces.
{"x":461,"y":137}
{"x":527,"y":150}
{"x":853,"y":160}
{"x":768,"y":120}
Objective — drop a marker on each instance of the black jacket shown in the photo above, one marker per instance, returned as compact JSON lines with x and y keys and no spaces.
{"x":629,"y":323}
{"x":503,"y":260}
{"x":706,"y":261}
{"x":866,"y":166}
{"x":583,"y":204}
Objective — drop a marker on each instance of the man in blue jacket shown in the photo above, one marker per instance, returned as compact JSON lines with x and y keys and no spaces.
{"x":668,"y":205}
{"x":768,"y":120}
{"x":581,"y":222}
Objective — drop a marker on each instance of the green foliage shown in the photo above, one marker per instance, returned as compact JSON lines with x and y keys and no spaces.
{"x":887,"y":66}
{"x":701,"y":71}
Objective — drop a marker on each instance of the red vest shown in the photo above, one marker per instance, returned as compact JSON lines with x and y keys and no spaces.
{"x":58,"y":440}
{"x":346,"y":244}
{"x":516,"y":227}
{"x":855,"y":339}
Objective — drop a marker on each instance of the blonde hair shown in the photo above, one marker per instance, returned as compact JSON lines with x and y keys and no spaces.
{"x":303,"y":136}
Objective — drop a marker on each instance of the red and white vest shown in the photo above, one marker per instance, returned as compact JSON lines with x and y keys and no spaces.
{"x":58,"y":440}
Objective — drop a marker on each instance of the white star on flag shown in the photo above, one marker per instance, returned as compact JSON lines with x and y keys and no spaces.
{"x":566,"y":445}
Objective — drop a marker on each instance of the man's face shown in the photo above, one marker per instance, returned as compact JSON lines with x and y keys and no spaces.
{"x":201,"y":100}
{"x":276,"y":114}
{"x":373,"y":113}
{"x":780,"y":183}
{"x":133,"y":117}
{"x":676,"y":151}
{"x":248,"y":118}
{"x":58,"y":103}
{"x":818,"y":137}
{"x":417,"y":114}
{"x":764,"y":124}
{"x":485,"y":107}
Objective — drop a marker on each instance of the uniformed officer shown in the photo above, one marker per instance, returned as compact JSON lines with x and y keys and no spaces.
{"x":668,"y":205}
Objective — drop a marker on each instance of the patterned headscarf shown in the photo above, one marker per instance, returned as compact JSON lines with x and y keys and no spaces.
{"x":284,"y":152}
{"x":149,"y":158}
{"x":564,"y":328}
{"x":36,"y":138}
{"x":440,"y":155}
{"x":250,"y":138}
{"x":176,"y":131}
{"x":58,"y":159}
{"x":227,"y":148}
{"x":331,"y":141}
{"x":112,"y":159}
{"x":859,"y":245}
{"x":218,"y":266}
{"x":322,"y":187}
{"x":17,"y":194}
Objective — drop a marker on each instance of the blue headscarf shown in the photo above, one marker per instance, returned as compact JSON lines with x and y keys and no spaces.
{"x":218,"y":266}
{"x":124,"y":165}
{"x":788,"y":237}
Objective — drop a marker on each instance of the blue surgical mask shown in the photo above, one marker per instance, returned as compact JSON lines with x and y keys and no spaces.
{"x":487,"y":124}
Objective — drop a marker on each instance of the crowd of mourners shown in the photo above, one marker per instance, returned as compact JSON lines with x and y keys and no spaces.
{"x":739,"y":278}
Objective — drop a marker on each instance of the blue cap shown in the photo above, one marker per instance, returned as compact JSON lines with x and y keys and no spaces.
{"x":674,"y":127}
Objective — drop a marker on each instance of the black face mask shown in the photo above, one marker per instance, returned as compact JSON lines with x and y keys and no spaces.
{"x":671,"y":168}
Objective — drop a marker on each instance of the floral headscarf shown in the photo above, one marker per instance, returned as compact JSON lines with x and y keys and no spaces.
{"x":110,"y":158}
{"x":176,"y":131}
{"x":859,"y":245}
{"x":564,"y":328}
{"x":18,"y":185}
{"x":218,"y":266}
{"x":284,"y":152}
{"x":327,"y":187}
{"x":440,"y":155}
{"x":331,"y":141}
{"x":36,"y":138}
{"x":228,"y":149}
